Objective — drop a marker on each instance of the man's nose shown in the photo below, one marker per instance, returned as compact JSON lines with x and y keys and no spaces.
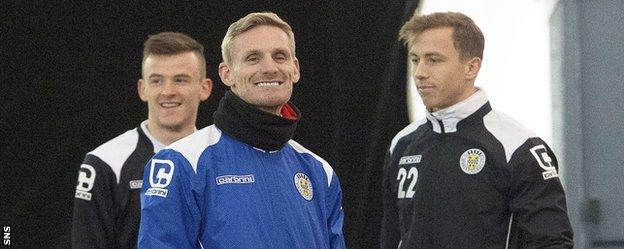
{"x":169,"y":88}
{"x":269,"y":66}
{"x":420,"y":71}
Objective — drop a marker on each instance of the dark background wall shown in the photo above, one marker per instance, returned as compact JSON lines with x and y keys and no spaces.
{"x":69,"y":72}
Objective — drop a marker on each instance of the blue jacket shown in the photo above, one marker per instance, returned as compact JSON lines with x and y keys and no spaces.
{"x":210,"y":190}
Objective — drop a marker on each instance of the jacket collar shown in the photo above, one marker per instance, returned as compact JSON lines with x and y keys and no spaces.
{"x":157,"y":145}
{"x":447,"y":119}
{"x":257,"y":128}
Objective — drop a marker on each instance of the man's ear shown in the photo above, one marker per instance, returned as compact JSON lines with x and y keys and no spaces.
{"x":224,"y":73}
{"x":296,"y":74}
{"x":206,"y":89}
{"x":472,"y":68}
{"x":141,"y":89}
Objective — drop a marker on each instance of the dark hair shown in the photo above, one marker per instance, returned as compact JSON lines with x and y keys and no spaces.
{"x":172,"y":43}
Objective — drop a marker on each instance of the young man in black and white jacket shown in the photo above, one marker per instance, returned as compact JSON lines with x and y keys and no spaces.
{"x":467,"y":176}
{"x":107,"y":205}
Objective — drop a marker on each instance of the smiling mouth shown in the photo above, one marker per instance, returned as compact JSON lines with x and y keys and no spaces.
{"x":425,"y":87}
{"x":169,"y":104}
{"x":268,"y":83}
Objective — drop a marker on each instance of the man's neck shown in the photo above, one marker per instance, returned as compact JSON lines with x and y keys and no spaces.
{"x":464,"y":96}
{"x":167,"y":136}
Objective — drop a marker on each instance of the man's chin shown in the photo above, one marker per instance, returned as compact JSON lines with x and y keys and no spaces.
{"x":172,"y":125}
{"x":272,"y":106}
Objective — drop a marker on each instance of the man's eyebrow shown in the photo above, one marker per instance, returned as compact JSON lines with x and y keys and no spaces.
{"x":281,"y":50}
{"x":250,"y":52}
{"x":430,"y":54}
{"x":155,"y":75}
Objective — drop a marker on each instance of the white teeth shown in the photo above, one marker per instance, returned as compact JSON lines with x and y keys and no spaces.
{"x":168,"y":105}
{"x":268,"y":83}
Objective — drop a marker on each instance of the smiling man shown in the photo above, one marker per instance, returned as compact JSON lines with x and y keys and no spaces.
{"x":242,"y":182}
{"x":467,"y":176}
{"x":107,"y":205}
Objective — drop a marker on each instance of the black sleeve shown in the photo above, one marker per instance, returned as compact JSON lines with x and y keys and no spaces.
{"x":93,"y":218}
{"x":390,"y":234}
{"x":537,"y":199}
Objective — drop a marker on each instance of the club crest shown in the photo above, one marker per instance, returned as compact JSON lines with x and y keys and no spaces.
{"x":472,"y":161}
{"x":304,"y":186}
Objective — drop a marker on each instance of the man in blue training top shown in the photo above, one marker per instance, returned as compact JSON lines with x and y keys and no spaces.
{"x":242,"y":182}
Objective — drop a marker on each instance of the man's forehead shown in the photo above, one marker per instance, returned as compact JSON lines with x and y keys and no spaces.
{"x":432,"y":40}
{"x":183,"y":63}
{"x":255,"y":50}
{"x":416,"y":50}
{"x":437,"y":34}
{"x":178,"y":58}
{"x":262,"y":37}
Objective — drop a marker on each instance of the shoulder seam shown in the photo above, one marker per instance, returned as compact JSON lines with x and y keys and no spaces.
{"x":115,"y":152}
{"x":329,"y":171}
{"x":507,"y":131}
{"x":194,"y":145}
{"x":406,"y":131}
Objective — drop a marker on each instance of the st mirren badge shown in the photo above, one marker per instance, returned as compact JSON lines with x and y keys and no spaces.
{"x":304,"y":186}
{"x":472,"y":161}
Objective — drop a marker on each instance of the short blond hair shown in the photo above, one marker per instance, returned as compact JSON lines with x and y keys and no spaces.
{"x":251,"y":21}
{"x":467,"y":37}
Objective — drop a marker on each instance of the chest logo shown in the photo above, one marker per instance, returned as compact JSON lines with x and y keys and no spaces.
{"x":235,"y":179}
{"x":410,"y":159}
{"x":472,"y":161}
{"x":304,"y":186}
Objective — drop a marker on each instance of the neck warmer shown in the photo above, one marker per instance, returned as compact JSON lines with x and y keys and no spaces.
{"x":252,"y":126}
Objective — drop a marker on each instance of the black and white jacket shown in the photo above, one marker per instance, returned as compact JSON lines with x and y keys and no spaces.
{"x":107,"y":205}
{"x":471,"y":177}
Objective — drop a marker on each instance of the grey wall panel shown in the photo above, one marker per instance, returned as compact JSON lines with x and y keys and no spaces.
{"x":602,"y":81}
{"x":587,"y":44}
